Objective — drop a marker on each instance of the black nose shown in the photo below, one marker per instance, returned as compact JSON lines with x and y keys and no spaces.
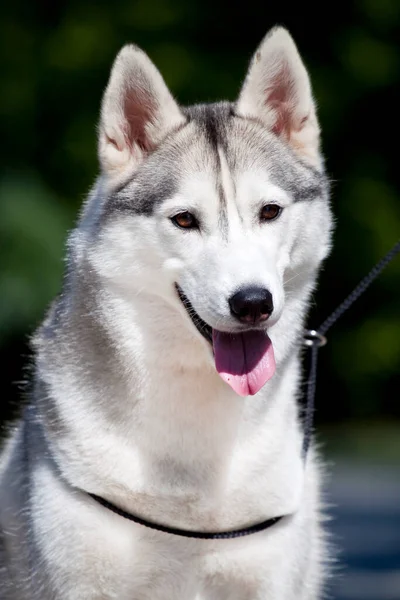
{"x":252,"y":305}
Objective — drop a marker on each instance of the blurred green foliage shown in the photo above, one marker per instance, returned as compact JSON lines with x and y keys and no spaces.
{"x":56,"y":60}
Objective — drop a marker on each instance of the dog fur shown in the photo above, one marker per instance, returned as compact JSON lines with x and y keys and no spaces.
{"x":127,"y":402}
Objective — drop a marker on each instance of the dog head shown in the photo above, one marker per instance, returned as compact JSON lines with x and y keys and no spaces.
{"x":219,"y":210}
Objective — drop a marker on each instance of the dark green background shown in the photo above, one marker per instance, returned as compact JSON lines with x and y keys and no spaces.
{"x":56,"y":61}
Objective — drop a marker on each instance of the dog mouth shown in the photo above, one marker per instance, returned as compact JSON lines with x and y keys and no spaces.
{"x":202,"y":327}
{"x":244,"y":360}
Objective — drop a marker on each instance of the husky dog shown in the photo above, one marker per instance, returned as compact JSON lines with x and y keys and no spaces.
{"x":167,"y":372}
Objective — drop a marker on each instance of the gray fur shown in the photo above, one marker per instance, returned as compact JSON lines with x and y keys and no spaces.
{"x":216,"y":126}
{"x":127,"y":401}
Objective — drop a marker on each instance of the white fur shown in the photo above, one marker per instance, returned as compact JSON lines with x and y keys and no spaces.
{"x":134,"y":409}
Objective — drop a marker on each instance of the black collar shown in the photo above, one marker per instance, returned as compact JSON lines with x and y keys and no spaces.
{"x":204,"y":535}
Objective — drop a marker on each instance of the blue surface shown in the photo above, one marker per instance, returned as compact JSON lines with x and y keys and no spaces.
{"x":366,"y":532}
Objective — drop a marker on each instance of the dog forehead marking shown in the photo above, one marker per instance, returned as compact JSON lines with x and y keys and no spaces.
{"x":218,"y":132}
{"x":229,"y":212}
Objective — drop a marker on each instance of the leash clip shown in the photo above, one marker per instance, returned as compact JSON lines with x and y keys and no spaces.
{"x":312,"y":337}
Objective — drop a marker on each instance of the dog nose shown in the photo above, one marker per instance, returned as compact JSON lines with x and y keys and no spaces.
{"x":251,"y":305}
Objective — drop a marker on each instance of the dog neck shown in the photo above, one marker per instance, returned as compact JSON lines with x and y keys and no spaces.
{"x":166,"y":424}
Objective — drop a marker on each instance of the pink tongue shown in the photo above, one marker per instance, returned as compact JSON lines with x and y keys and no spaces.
{"x":245,"y":361}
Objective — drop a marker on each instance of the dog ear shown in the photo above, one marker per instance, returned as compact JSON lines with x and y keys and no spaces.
{"x":277,"y":92}
{"x":136,"y":113}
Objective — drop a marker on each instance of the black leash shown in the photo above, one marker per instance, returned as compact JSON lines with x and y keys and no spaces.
{"x":314,"y":339}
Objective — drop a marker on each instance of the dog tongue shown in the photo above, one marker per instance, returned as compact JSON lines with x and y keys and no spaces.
{"x":245,"y":361}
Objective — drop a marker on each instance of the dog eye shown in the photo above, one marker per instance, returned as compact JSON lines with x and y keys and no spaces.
{"x":269,"y":212}
{"x":185,"y":220}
